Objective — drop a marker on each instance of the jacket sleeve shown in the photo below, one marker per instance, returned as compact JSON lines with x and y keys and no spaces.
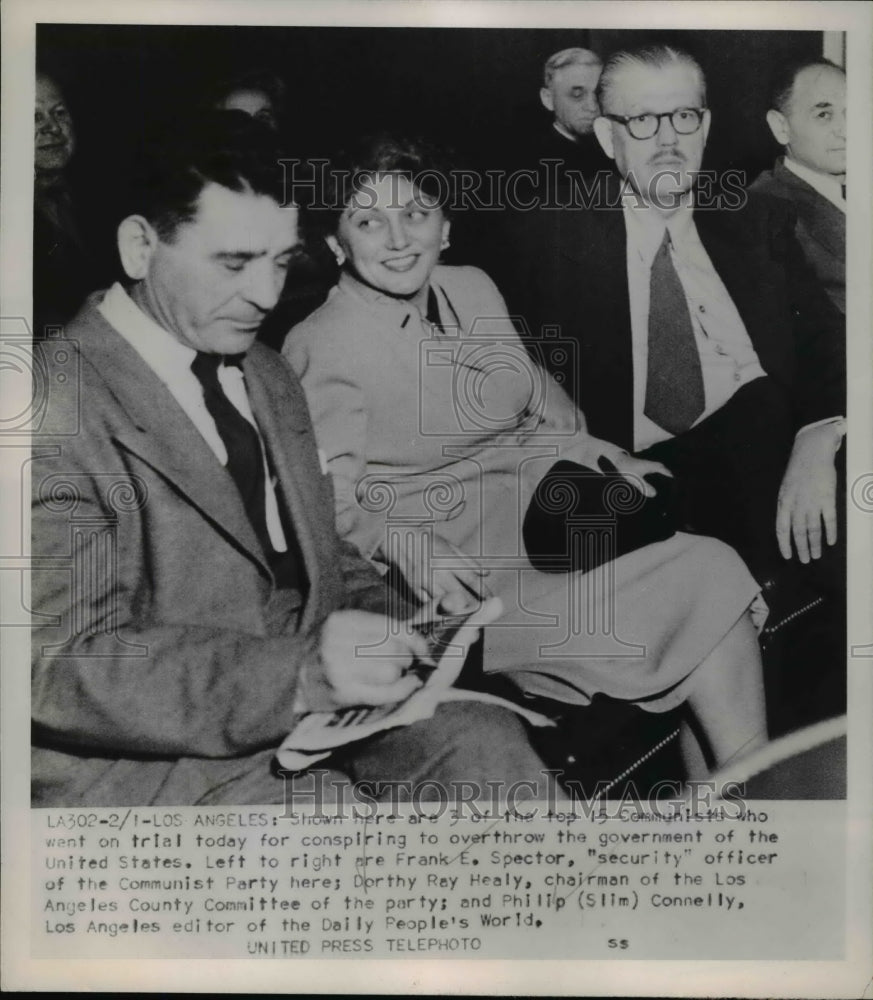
{"x":799,"y":307}
{"x":339,"y":408}
{"x":123,"y":664}
{"x":819,"y":331}
{"x":555,"y":412}
{"x":106,"y":676}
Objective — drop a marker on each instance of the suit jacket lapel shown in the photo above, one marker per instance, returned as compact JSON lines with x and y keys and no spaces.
{"x":752,"y":279}
{"x":738,"y":269}
{"x":286,"y":431}
{"x":730,"y":263}
{"x":594,"y":245}
{"x":824,"y":222}
{"x":161,"y":434}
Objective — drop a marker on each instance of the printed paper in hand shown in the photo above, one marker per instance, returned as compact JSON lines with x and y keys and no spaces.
{"x":318,"y":734}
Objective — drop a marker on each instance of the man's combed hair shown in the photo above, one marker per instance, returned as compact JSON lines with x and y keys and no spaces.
{"x":568,"y":57}
{"x":782,"y":81}
{"x":651,"y":56}
{"x":228,"y":148}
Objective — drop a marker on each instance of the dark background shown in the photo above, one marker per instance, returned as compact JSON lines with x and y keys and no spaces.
{"x":473,"y":88}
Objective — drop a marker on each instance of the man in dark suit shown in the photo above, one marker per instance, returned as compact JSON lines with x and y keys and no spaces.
{"x":697,"y":337}
{"x":190,"y":590}
{"x":808,"y":117}
{"x":569,"y":92}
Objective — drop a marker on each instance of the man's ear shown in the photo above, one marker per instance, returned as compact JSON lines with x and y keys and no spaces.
{"x":778,"y":126}
{"x":336,"y":248}
{"x":137,"y":242}
{"x":603,"y":131}
{"x":707,"y":121}
{"x":547,"y":99}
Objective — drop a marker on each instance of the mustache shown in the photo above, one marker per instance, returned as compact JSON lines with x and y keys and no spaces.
{"x":667,"y":154}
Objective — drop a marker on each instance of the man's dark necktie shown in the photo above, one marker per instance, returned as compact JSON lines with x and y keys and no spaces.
{"x":843,"y":189}
{"x":674,"y":385}
{"x":241,"y":441}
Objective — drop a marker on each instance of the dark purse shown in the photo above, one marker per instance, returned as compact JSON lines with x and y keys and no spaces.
{"x":580,"y":518}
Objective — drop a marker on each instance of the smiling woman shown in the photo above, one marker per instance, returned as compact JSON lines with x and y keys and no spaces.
{"x":436,"y":427}
{"x":392,"y":234}
{"x":385,"y":214}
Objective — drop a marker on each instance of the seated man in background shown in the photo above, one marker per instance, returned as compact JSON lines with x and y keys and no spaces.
{"x":256,"y":93}
{"x":191,"y":592}
{"x":261,"y":94}
{"x":569,"y":92}
{"x":64,"y":268}
{"x":699,"y":338}
{"x":808,"y":117}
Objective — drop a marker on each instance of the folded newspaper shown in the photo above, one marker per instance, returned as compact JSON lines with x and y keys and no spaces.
{"x":318,"y":734}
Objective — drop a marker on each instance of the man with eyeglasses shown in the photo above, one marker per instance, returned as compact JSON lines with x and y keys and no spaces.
{"x":698,"y":337}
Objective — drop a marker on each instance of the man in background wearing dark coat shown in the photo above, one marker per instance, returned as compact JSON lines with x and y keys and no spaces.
{"x":64,"y":267}
{"x":569,"y":92}
{"x":808,"y":117}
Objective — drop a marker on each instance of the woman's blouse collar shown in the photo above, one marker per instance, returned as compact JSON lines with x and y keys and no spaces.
{"x":349,"y":284}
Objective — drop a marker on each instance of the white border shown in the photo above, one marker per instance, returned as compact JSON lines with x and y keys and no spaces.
{"x":788,"y":979}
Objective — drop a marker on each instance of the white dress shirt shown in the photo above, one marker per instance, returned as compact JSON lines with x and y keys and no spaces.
{"x":826,"y":185}
{"x":170,"y":360}
{"x":728,"y":359}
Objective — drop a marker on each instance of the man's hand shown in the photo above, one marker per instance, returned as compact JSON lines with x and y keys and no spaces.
{"x":808,"y":494}
{"x":589,"y":452}
{"x":364,"y":659}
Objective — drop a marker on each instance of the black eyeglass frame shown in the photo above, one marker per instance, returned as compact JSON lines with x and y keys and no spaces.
{"x":626,"y":120}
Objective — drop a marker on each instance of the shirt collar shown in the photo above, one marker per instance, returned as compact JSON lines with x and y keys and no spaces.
{"x":645,"y":225}
{"x":827,"y":186}
{"x":160,"y":350}
{"x":373,"y":297}
{"x":566,"y":133}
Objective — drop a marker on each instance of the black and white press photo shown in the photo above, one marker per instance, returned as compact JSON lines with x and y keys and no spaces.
{"x":440,"y":471}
